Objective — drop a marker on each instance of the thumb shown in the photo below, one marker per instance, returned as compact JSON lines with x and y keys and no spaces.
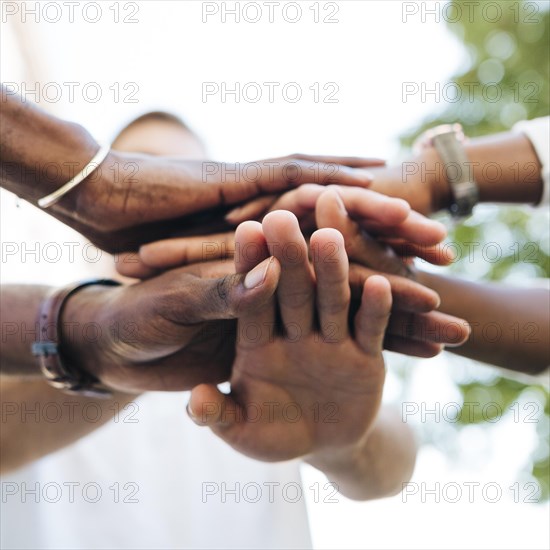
{"x":208,"y":406}
{"x":229,"y":297}
{"x":330,"y":211}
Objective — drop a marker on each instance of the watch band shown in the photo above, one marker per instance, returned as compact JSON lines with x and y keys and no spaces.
{"x":448,"y":142}
{"x":49,"y":347}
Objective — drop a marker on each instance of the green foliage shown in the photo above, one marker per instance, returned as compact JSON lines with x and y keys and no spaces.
{"x":509,"y":57}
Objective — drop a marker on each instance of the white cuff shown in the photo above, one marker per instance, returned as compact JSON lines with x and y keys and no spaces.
{"x":538,"y":133}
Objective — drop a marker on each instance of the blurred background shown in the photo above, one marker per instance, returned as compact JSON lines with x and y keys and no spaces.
{"x":371,"y":76}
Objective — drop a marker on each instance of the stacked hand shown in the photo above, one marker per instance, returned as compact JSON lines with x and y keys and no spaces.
{"x":153,"y":336}
{"x":415,"y":329}
{"x":304,"y":355}
{"x":135,"y":199}
{"x":303,"y":385}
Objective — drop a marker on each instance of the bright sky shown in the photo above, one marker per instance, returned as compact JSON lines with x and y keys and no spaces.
{"x":364,"y":60}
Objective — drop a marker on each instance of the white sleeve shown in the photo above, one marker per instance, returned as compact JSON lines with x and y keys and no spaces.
{"x":538,"y":133}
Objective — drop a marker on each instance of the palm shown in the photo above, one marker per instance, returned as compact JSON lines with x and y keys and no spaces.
{"x":303,"y":396}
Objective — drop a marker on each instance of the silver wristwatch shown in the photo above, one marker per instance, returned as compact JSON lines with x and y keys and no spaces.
{"x":448,"y":140}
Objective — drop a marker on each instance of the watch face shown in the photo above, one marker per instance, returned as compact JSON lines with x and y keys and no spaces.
{"x":425,"y":140}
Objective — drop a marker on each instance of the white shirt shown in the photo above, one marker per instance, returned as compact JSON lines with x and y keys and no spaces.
{"x":158,"y":481}
{"x":538,"y":133}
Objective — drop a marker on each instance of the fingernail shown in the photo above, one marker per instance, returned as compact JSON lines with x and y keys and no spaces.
{"x":190,"y":411}
{"x":256,"y":277}
{"x":364,"y":174}
{"x":450,"y":255}
{"x":233,"y":214}
{"x":192,"y":415}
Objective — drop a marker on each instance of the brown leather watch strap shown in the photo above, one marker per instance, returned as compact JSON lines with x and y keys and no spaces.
{"x":49,"y":347}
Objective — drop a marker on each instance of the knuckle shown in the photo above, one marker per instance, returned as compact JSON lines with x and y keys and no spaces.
{"x":176,"y":304}
{"x":225,"y":297}
{"x":296,"y":300}
{"x":334,"y":307}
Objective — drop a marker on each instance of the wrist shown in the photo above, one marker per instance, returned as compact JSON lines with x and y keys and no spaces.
{"x":84,"y":330}
{"x":340,"y":461}
{"x":435,"y":179}
{"x":378,"y":465}
{"x":347,"y":469}
{"x":335,"y":461}
{"x":418,"y":180}
{"x":90,"y":198}
{"x":72,"y":148}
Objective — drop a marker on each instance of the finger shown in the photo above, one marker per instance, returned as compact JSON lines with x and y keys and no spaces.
{"x":188,"y":299}
{"x":295,"y":293}
{"x":176,"y":252}
{"x":370,"y":205}
{"x":438,"y":254}
{"x":435,"y":327}
{"x":129,"y":264}
{"x":330,"y":211}
{"x":372,"y":318}
{"x":208,"y":406}
{"x":159,"y":256}
{"x":210,"y":270}
{"x":352,"y":162}
{"x":332,"y":276}
{"x":274,"y":176}
{"x":414,"y":348}
{"x":300,"y":201}
{"x":407,"y":295}
{"x":252,"y":210}
{"x":415,"y":229}
{"x":256,"y":327}
{"x":296,"y":172}
{"x":360,"y":202}
{"x":250,"y":246}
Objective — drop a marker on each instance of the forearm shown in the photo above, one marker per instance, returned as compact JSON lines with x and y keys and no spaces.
{"x":37,"y":419}
{"x":40,"y":152}
{"x":19,"y":319}
{"x":510,"y":327}
{"x":20,"y":326}
{"x":27,"y":401}
{"x":506,"y":168}
{"x":379,"y":466}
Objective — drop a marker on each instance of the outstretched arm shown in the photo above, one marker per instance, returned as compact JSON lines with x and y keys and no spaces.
{"x":38,"y":419}
{"x":380,"y":467}
{"x":510,"y":326}
{"x":146,"y":336}
{"x":28,"y":403}
{"x":133,"y":198}
{"x":505,"y":166}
